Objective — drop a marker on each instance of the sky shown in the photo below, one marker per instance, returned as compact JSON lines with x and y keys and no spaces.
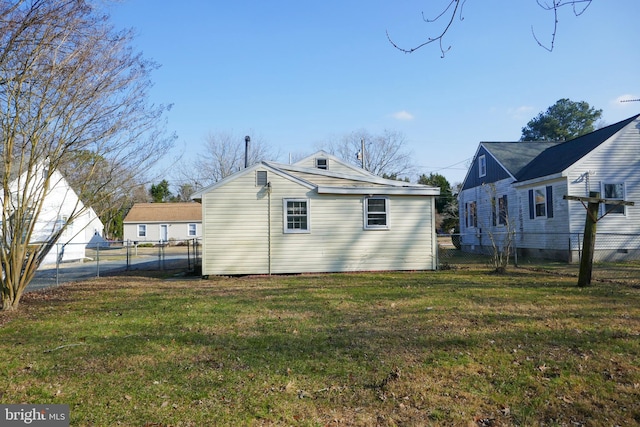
{"x":297,"y":74}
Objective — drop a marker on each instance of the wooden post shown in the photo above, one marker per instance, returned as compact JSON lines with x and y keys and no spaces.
{"x":589,"y":243}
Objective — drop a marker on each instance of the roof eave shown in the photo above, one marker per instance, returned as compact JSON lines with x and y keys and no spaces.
{"x":401,"y":191}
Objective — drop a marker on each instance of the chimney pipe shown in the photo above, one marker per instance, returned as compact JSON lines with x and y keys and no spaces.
{"x":247,"y":140}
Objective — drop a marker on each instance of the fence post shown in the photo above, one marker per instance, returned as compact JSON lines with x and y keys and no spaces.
{"x":57,"y":264}
{"x":128,"y":244}
{"x":515,"y":248}
{"x":98,"y":259}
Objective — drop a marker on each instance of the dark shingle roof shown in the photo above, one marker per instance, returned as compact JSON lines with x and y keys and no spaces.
{"x":559,"y":157}
{"x":514,"y":156}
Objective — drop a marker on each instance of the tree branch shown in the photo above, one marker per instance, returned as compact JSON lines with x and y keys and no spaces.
{"x":458,"y":5}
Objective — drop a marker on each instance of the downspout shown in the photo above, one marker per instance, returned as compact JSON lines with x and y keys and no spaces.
{"x":269,"y":226}
{"x":434,"y":235}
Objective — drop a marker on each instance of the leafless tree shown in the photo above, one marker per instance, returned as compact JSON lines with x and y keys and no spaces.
{"x":385,"y":154}
{"x":454,"y":10}
{"x":71,"y":90}
{"x":223,"y":154}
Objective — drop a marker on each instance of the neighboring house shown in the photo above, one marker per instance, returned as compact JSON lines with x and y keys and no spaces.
{"x":317,"y":215}
{"x":519,"y":187}
{"x":163,"y":222}
{"x":60,"y":204}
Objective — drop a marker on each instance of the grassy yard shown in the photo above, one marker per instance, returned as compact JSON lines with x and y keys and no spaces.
{"x":455,"y":347}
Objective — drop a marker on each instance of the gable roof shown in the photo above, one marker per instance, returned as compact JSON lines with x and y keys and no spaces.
{"x":164,"y":212}
{"x":331,"y":182}
{"x":559,"y":157}
{"x":514,"y":156}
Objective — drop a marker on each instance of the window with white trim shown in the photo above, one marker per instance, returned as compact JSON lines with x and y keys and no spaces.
{"x":613,"y":191}
{"x":142,"y":230}
{"x":296,"y":216}
{"x":192,"y":230}
{"x":541,"y":202}
{"x":376,"y":213}
{"x":482,"y":166}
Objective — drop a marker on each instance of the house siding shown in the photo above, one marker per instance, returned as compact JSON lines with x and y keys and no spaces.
{"x":176,"y":231}
{"x":546,"y":236}
{"x":494,"y":171}
{"x":243,"y":236}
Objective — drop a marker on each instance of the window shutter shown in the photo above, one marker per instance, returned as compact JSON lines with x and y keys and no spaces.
{"x":532,"y":211}
{"x":493,"y":213}
{"x":549,"y":201}
{"x":466,"y":215}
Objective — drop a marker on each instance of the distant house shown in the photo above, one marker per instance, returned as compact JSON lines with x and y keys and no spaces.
{"x":61,"y":206}
{"x":520,"y":185}
{"x":163,"y":222}
{"x":317,"y":215}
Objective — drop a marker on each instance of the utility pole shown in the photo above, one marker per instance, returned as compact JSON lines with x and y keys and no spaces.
{"x":360,"y":155}
{"x":589,"y":242}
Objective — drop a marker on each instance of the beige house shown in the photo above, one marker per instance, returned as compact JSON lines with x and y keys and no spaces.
{"x":317,"y":215}
{"x":163,"y":222}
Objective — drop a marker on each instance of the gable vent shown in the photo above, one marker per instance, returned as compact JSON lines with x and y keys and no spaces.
{"x":261,"y":178}
{"x":322,"y":163}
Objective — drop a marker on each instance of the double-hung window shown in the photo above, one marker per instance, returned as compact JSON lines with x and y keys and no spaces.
{"x":613,"y":191}
{"x":296,"y":216}
{"x":482,"y":166}
{"x":192,"y":230}
{"x":376,"y":213}
{"x":541,"y":202}
{"x":142,"y":230}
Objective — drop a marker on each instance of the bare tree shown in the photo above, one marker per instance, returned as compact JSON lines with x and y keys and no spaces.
{"x":384,"y":154}
{"x":223,"y":154}
{"x":69,"y":85}
{"x":454,"y":10}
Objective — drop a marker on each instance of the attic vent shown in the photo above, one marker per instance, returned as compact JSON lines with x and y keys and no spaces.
{"x":322,"y":163}
{"x":261,"y":178}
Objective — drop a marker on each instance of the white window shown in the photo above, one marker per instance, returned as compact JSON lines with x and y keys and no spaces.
{"x":376,"y":213}
{"x":142,"y":230}
{"x":613,"y":191}
{"x":192,"y":229}
{"x":541,"y":202}
{"x":482,"y":166}
{"x":296,"y":216}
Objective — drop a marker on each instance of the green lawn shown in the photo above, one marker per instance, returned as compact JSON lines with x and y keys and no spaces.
{"x":456,"y":347}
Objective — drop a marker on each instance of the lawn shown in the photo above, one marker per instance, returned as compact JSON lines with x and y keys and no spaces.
{"x":455,"y":347}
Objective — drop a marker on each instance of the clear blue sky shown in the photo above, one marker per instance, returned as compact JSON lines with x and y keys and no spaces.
{"x":298,"y":73}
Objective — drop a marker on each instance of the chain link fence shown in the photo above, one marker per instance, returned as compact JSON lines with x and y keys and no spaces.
{"x":106,"y":258}
{"x":616,"y":256}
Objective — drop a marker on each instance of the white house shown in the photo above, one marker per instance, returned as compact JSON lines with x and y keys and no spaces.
{"x":520,"y":186}
{"x":317,"y":215}
{"x":166,"y":222}
{"x":60,"y":206}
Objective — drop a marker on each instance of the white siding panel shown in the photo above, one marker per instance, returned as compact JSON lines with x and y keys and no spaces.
{"x":239,"y":239}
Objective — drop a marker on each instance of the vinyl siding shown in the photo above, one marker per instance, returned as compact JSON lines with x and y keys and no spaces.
{"x":615,"y":161}
{"x":176,"y":231}
{"x":544,"y":232}
{"x":238,"y":239}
